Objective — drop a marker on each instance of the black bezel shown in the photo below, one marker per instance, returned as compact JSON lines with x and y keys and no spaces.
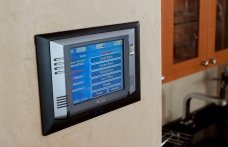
{"x":49,"y":123}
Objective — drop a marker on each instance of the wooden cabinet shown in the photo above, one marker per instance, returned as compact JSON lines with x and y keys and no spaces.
{"x":194,"y":36}
{"x":218,"y":31}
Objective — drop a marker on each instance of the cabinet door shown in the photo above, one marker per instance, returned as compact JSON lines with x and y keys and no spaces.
{"x":184,"y":37}
{"x":218,"y":31}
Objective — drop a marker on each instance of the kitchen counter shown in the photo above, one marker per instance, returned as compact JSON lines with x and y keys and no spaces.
{"x":209,"y":128}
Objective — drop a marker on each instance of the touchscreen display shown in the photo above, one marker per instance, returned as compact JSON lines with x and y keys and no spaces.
{"x":96,"y":70}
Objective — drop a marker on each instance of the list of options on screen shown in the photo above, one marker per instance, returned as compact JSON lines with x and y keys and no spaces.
{"x":96,"y":70}
{"x":106,"y":74}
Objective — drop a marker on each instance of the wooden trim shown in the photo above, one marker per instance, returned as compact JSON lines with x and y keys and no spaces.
{"x":211,"y":28}
{"x":167,"y":34}
{"x":222,"y":56}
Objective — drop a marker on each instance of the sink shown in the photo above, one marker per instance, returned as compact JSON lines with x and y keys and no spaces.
{"x":210,"y":128}
{"x":215,"y":135}
{"x":212,"y":142}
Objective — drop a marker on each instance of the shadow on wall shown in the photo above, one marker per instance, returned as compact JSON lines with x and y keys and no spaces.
{"x":220,"y":70}
{"x":211,"y":83}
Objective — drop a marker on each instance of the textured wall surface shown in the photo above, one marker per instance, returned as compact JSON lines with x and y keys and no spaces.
{"x":173,"y":93}
{"x":137,"y":125}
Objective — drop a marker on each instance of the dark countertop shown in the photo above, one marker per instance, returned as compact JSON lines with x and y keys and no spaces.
{"x":210,"y":127}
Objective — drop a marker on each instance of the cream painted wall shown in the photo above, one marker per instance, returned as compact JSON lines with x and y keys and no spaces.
{"x":173,"y":93}
{"x":137,"y":125}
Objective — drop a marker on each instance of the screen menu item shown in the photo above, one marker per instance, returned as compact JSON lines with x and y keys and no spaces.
{"x":96,"y":70}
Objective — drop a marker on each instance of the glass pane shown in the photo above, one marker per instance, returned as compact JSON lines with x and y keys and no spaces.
{"x":222,"y":25}
{"x":186,"y":30}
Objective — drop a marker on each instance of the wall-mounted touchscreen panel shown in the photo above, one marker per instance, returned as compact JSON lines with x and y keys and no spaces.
{"x":85,"y":73}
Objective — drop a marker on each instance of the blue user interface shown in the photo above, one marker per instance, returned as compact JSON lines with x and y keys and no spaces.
{"x":96,"y":70}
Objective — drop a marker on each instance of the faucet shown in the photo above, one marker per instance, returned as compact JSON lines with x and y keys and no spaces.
{"x":187,"y":100}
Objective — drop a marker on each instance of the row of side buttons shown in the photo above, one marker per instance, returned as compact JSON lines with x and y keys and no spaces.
{"x":59,"y":65}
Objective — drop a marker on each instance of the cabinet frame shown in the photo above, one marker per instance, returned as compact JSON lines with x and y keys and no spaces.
{"x":222,"y":55}
{"x":173,"y":71}
{"x":206,"y":42}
